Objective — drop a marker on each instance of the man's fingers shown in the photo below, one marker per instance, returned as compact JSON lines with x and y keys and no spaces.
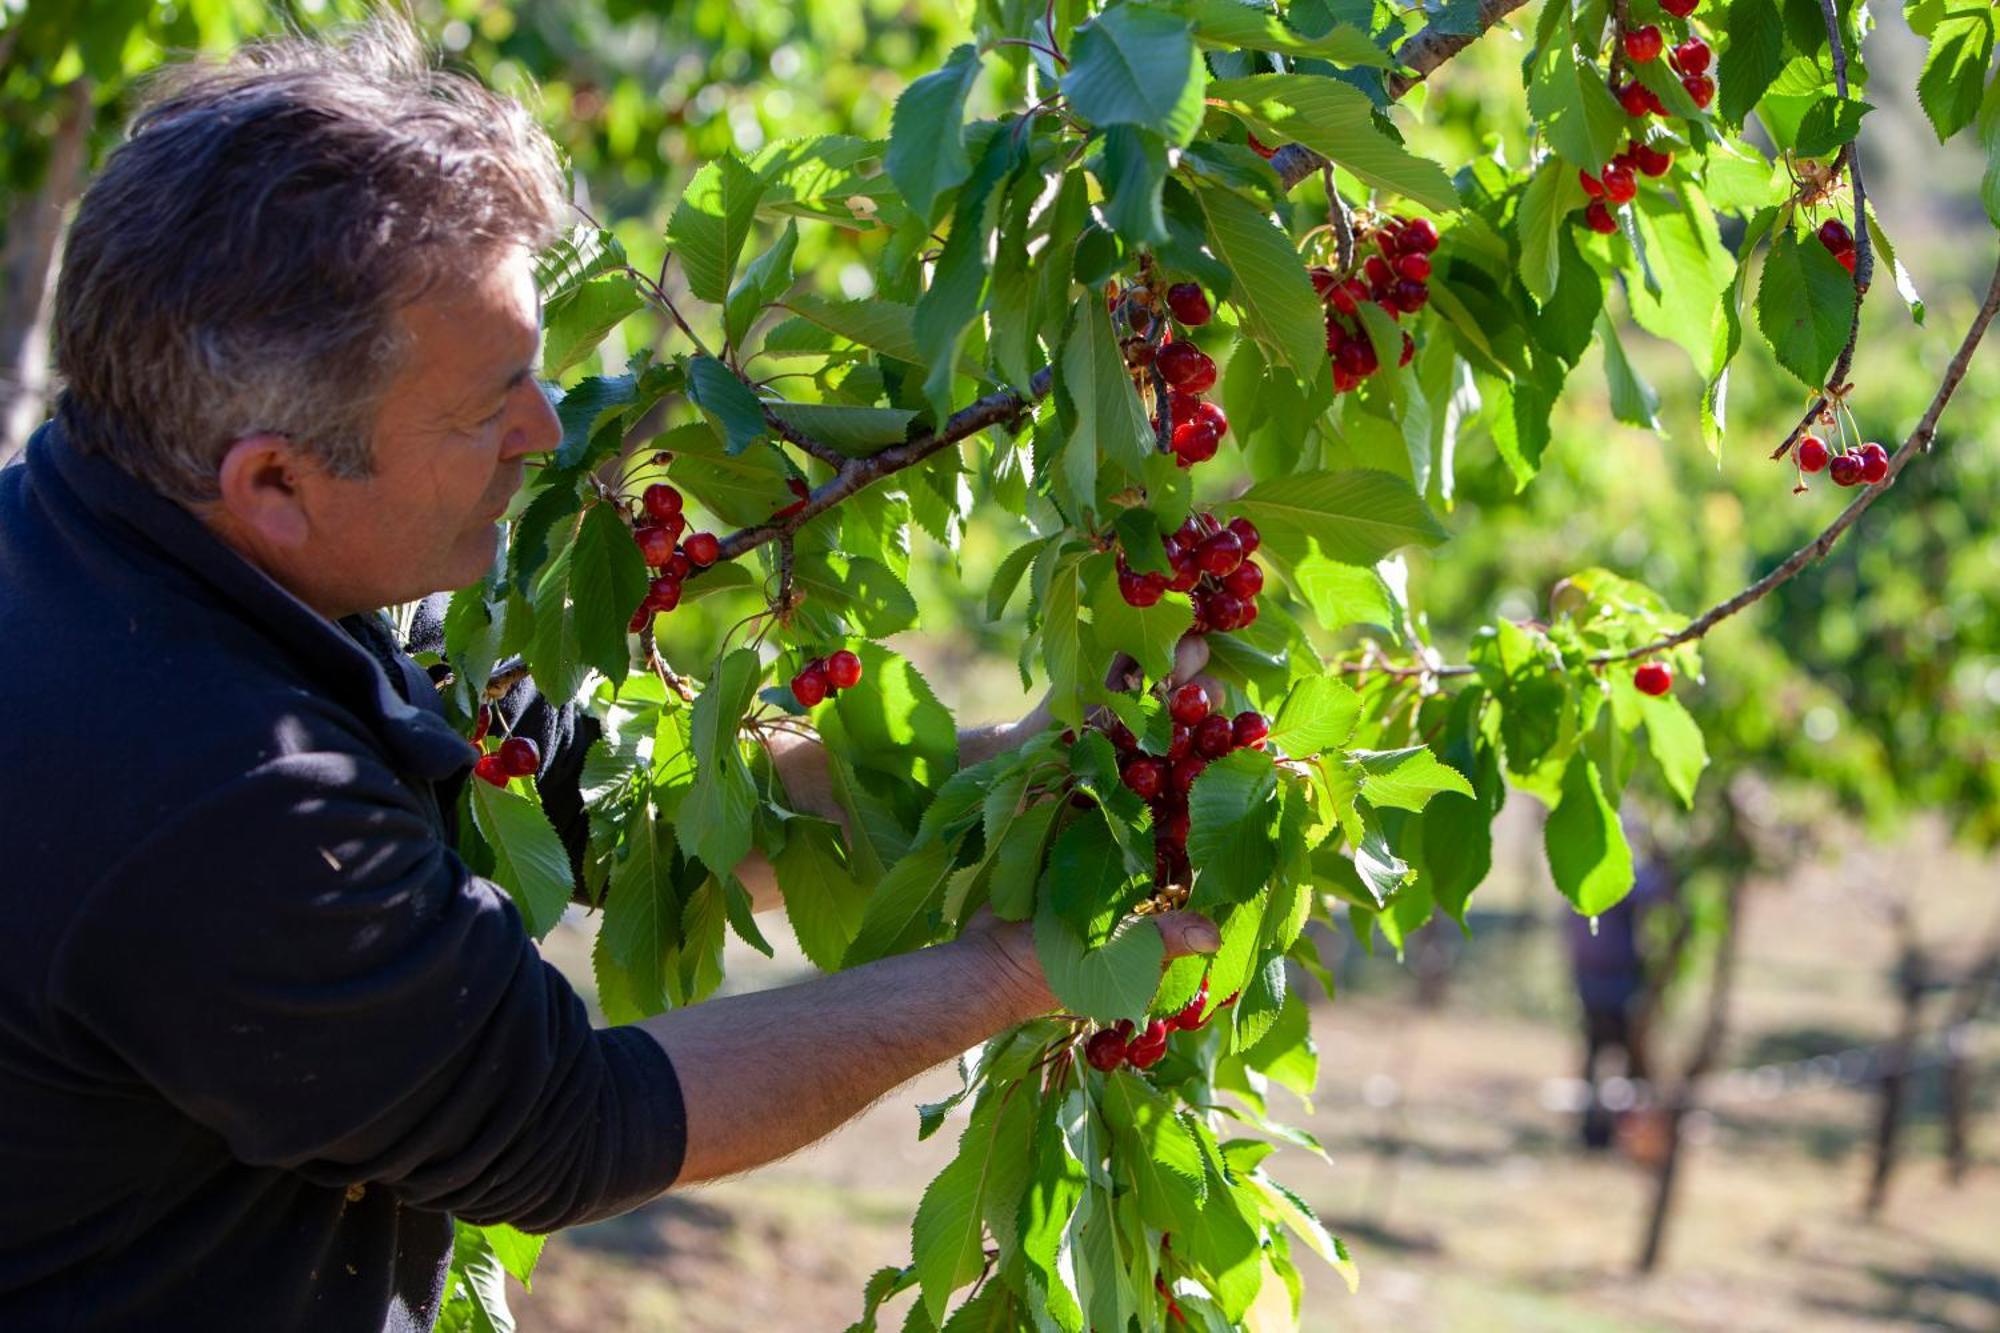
{"x":1190,"y":656}
{"x":1124,"y":674}
{"x":1187,"y":932}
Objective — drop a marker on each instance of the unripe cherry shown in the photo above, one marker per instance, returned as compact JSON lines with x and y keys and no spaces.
{"x":702,"y":548}
{"x":489,"y":768}
{"x":1189,"y":304}
{"x":662,"y":501}
{"x":810,"y":685}
{"x":1105,"y":1050}
{"x":1186,"y":367}
{"x":519,"y":757}
{"x":1249,"y":730}
{"x":1146,"y":776}
{"x":656,"y":544}
{"x":1246,"y":580}
{"x":1213,"y":737}
{"x":1644,"y":44}
{"x":1654,"y":678}
{"x":1874,"y":463}
{"x":1190,"y":704}
{"x":843,"y":670}
{"x":1812,"y":454}
{"x":1219,"y":553}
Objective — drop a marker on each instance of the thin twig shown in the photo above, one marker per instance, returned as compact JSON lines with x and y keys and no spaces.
{"x":1338,"y":219}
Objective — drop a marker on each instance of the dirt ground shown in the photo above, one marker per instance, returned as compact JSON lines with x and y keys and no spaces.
{"x":1455,"y":1178}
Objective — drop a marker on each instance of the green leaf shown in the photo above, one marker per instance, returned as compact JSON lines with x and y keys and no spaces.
{"x":741,"y":489}
{"x":1989,"y":142}
{"x":593,"y":310}
{"x":715,"y":816}
{"x":1570,"y":103}
{"x":728,"y":402}
{"x":1230,"y":811}
{"x":517,"y":1251}
{"x":1955,"y":69}
{"x":1885,"y":254}
{"x":1676,"y":742}
{"x":1272,"y":291}
{"x":1587,"y":852}
{"x":1354,"y":517}
{"x":892,"y":722}
{"x":586,"y":406}
{"x":528,"y":858}
{"x":854,"y":431}
{"x":1805,"y":306}
{"x":1136,"y":66}
{"x":898,"y":915}
{"x":946,"y":1237}
{"x":866,"y":591}
{"x":1115,"y":980}
{"x":927,"y":155}
{"x":1317,"y":715}
{"x":763,"y":282}
{"x":1552,"y":195}
{"x":1336,"y":120}
{"x":1230,"y":25}
{"x":1133,"y":170}
{"x":607,"y":578}
{"x":1109,"y":416}
{"x":1062,"y":649}
{"x":882,"y":326}
{"x":1341,"y":594}
{"x":1154,"y":1150}
{"x":1751,"y":61}
{"x":1085,"y":876}
{"x":1008,"y":576}
{"x":642,"y":911}
{"x":822,"y":900}
{"x":1830,"y":123}
{"x":1633,"y":401}
{"x":1149,"y":634}
{"x":711,"y":222}
{"x":1407,"y":779}
{"x":1693,"y":265}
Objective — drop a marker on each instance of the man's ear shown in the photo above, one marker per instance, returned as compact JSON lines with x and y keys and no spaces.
{"x":260,"y":491}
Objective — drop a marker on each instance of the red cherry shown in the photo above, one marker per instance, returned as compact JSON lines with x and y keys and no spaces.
{"x":1189,"y":704}
{"x":810,"y":685}
{"x":1228,"y":611}
{"x":639,"y":618}
{"x":1381,"y":277}
{"x":1692,"y":56}
{"x":678,"y":566}
{"x":1246,"y":533}
{"x":1345,"y":381}
{"x":1245,"y":581}
{"x":1598,"y":218}
{"x":1680,"y":9}
{"x":1181,"y":743}
{"x":662,"y":501}
{"x":656,"y":544}
{"x":1343,"y":299}
{"x":1249,"y":730}
{"x":482,"y":725}
{"x":1189,"y":1018}
{"x":1654,"y":162}
{"x":1136,"y":591}
{"x":799,"y":489}
{"x":1636,"y":98}
{"x":1845,"y":469}
{"x":1325,"y":281}
{"x":519,"y":757}
{"x":1417,"y":268}
{"x":1139,"y":353}
{"x":1186,"y":572}
{"x":1619,"y":187}
{"x":1177,"y":827}
{"x":702,"y":548}
{"x":1147,"y":1050}
{"x":1186,"y":367}
{"x":1355,"y":355}
{"x":1654,"y":678}
{"x":1213,"y":414}
{"x":663,"y":593}
{"x":1146,"y":777}
{"x":1643,"y":44}
{"x":1874,"y":463}
{"x":1195,"y":441}
{"x":1212,"y":737}
{"x":843,"y":670}
{"x":1219,"y":553}
{"x":1419,"y":236}
{"x":489,"y":768}
{"x":1189,"y":304}
{"x":1591,"y":185}
{"x":1121,"y":737}
{"x":1183,"y":407}
{"x":1812,"y":454}
{"x":1411,"y":296}
{"x":1105,"y":1050}
{"x":1700,"y":88}
{"x":1834,"y":235}
{"x":1846,"y":259}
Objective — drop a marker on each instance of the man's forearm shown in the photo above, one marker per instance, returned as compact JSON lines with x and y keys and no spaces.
{"x":765,"y":1074}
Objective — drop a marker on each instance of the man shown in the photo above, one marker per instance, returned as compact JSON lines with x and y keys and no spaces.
{"x":261,"y":1032}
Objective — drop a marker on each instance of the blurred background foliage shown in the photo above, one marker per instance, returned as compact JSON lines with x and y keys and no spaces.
{"x":1863,"y":696}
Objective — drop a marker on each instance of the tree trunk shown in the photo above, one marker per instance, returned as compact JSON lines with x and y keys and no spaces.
{"x":1965,"y":1006}
{"x":1896,"y":1063}
{"x":28,"y":269}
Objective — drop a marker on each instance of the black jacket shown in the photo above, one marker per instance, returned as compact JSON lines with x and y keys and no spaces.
{"x":261,"y":1032}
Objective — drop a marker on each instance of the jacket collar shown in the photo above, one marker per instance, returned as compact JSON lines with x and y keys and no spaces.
{"x":328,"y":653}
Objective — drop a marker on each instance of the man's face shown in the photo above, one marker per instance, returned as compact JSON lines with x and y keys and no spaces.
{"x":449,"y":440}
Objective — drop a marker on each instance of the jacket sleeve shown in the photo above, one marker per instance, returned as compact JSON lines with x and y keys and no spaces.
{"x":300,"y":965}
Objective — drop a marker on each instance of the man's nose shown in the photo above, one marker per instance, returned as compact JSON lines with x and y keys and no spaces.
{"x":539,"y":430}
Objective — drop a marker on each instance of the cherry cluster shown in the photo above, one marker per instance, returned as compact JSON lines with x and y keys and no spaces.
{"x":660,"y":544}
{"x":824,"y":677}
{"x":1126,"y":1044}
{"x":1197,"y":426}
{"x":1619,"y":184}
{"x":1690,"y":60}
{"x":517,"y":757}
{"x":1199,"y":736}
{"x":1850,"y":467}
{"x":1397,"y":279}
{"x":1212,"y":564}
{"x":1839,"y":242}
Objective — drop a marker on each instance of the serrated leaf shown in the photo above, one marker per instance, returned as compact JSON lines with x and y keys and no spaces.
{"x":1136,"y":66}
{"x":607,"y":578}
{"x":1955,"y":68}
{"x":730,"y":404}
{"x":528,"y":858}
{"x":1115,"y":980}
{"x":1407,"y":779}
{"x":592,"y":311}
{"x":854,"y":431}
{"x":715,"y":815}
{"x":584,"y":407}
{"x":927,"y":155}
{"x":1134,"y":168}
{"x":763,"y":282}
{"x":882,"y":326}
{"x":1150,"y":634}
{"x":892,"y":723}
{"x":1336,"y":120}
{"x":1317,"y":715}
{"x":1552,"y":195}
{"x":1354,"y":517}
{"x":864,"y":590}
{"x":1805,"y":306}
{"x":822,"y":899}
{"x":897,"y":917}
{"x":946,"y":1236}
{"x":1109,"y":416}
{"x":1830,"y":122}
{"x":1230,"y":25}
{"x":642,"y":910}
{"x":711,"y":222}
{"x":1588,"y":855}
{"x":1676,"y":742}
{"x":1230,"y":810}
{"x":1272,"y":291}
{"x":1751,"y":61}
{"x":1885,"y":254}
{"x":1570,"y":104}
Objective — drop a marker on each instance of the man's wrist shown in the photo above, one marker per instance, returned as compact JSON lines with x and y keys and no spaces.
{"x":1000,"y":955}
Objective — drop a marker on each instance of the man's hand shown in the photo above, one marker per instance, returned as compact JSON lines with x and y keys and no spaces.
{"x":1012,"y":946}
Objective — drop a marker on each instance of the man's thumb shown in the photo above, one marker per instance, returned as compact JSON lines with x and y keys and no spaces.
{"x":1186,"y":933}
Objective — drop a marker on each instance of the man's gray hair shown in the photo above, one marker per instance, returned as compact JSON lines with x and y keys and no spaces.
{"x":238,"y":265}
